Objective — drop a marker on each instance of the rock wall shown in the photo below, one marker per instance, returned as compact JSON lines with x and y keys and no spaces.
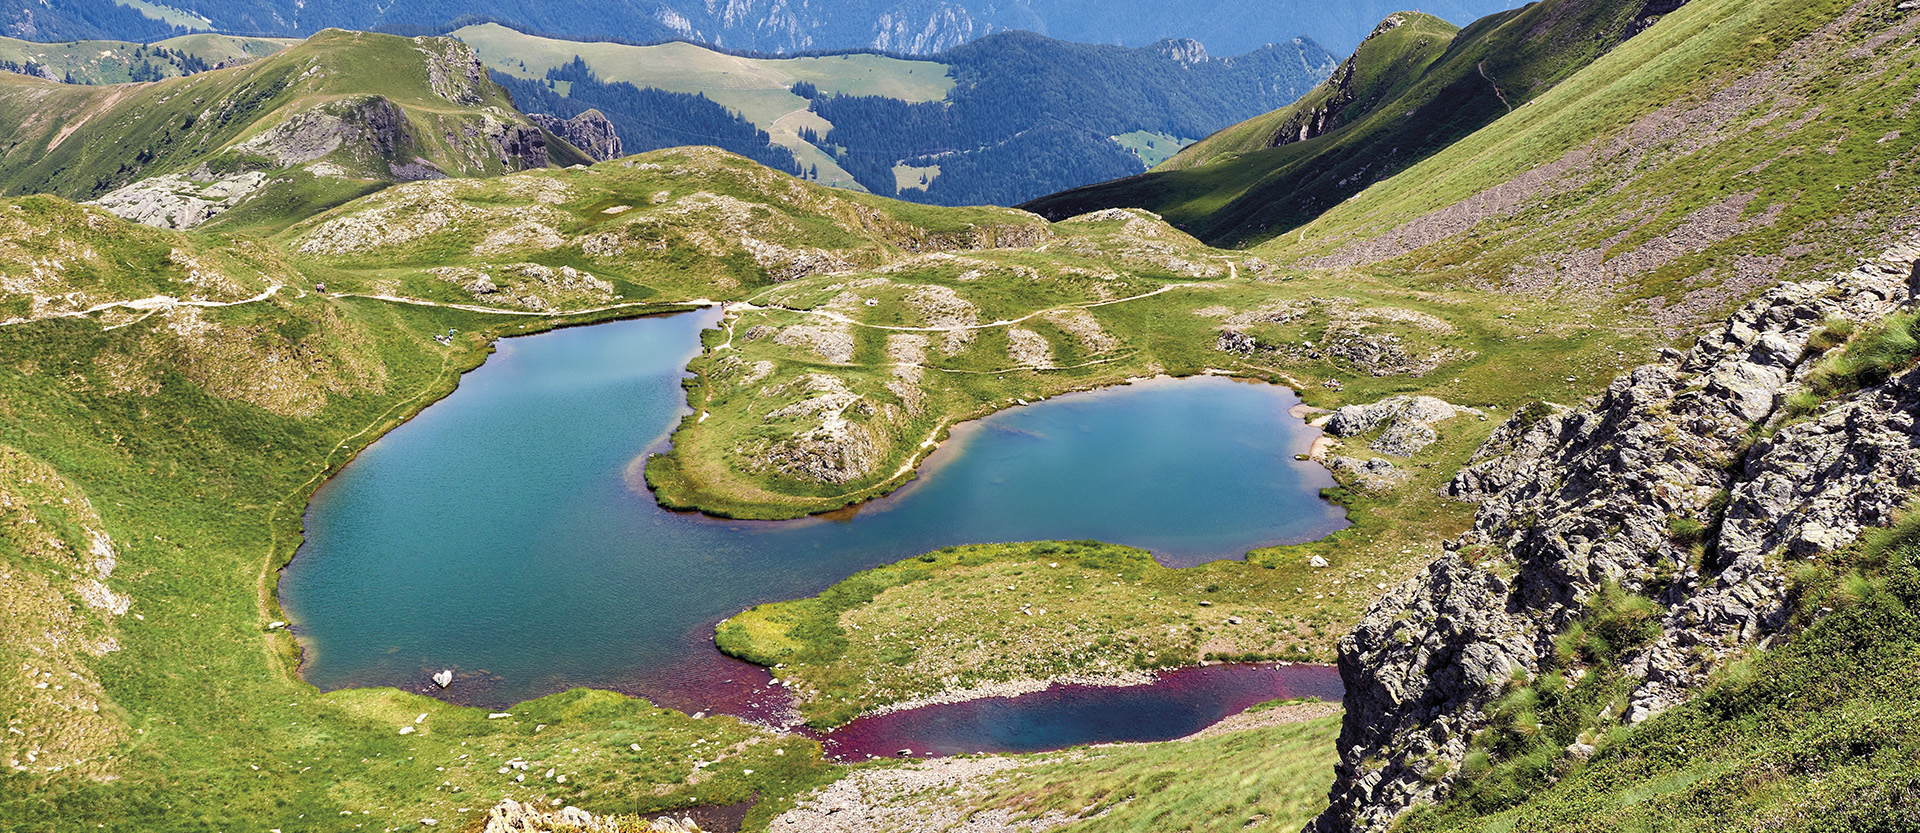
{"x":590,"y":132}
{"x":1574,"y":500}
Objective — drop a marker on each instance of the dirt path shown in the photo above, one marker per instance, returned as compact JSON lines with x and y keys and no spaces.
{"x":839,"y":318}
{"x":157,"y":303}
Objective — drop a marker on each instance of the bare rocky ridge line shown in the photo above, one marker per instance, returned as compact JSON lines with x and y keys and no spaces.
{"x":1572,"y":501}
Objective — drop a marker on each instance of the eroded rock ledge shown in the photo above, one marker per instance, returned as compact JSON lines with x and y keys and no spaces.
{"x":1574,"y":500}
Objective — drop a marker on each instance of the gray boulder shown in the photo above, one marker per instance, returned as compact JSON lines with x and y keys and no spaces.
{"x":1408,"y":419}
{"x":181,"y":201}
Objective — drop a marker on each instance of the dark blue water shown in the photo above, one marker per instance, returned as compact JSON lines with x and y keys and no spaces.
{"x":1177,"y":704}
{"x":498,"y":534}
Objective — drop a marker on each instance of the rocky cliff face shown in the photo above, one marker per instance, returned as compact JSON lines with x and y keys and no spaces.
{"x":1697,"y":446}
{"x":1328,"y":114}
{"x":590,"y":132}
{"x":936,"y":27}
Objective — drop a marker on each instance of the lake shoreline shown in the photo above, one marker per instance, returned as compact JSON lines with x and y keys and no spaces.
{"x":643,"y":477}
{"x":1023,"y":686}
{"x":1176,"y":704}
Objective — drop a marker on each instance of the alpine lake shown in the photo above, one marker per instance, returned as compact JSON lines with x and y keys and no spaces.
{"x":503,"y":534}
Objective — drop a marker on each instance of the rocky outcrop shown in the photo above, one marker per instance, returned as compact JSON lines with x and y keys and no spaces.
{"x":1408,"y":422}
{"x":590,"y":131}
{"x":454,"y":70}
{"x":510,"y":816}
{"x":1342,"y":94}
{"x":370,"y":124}
{"x":181,"y":201}
{"x":828,"y":446}
{"x":938,"y":29}
{"x":1183,"y":50}
{"x":1620,"y":491}
{"x":1374,"y":475}
{"x":520,"y":146}
{"x":784,"y":264}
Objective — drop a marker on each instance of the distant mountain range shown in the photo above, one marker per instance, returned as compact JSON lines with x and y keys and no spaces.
{"x":1001,"y":119}
{"x":918,"y":27}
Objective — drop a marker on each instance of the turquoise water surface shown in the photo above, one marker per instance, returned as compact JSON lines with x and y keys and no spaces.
{"x":496,"y":534}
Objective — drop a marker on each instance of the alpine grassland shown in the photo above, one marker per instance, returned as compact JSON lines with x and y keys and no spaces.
{"x":156,"y":466}
{"x":193,"y":433}
{"x":197,"y":433}
{"x":1510,"y":216}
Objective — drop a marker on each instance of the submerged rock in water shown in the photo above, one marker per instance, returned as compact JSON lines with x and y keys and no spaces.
{"x":443,"y":678}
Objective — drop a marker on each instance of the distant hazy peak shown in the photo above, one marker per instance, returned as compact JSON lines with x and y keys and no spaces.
{"x":1184,"y":50}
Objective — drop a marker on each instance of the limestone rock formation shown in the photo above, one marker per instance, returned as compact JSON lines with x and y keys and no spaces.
{"x":373,"y":124}
{"x":1408,"y":420}
{"x":181,"y":201}
{"x":1374,"y":475}
{"x":1610,"y":492}
{"x":510,"y":816}
{"x":590,"y":132}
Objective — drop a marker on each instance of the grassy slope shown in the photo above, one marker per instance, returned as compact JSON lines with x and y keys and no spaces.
{"x":757,"y":89}
{"x":196,"y":720}
{"x":79,"y":142}
{"x":112,"y":62}
{"x":1263,"y":778}
{"x":1255,"y":196}
{"x":1731,"y":143}
{"x":1382,"y":68}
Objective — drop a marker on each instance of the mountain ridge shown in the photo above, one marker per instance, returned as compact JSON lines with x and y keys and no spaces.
{"x":306,"y":125}
{"x":1226,"y":26}
{"x":1262,"y":193}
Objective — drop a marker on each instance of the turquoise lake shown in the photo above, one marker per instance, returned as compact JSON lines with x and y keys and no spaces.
{"x":497,"y":533}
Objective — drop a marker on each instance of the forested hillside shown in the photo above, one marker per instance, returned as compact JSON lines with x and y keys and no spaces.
{"x":116,"y":62}
{"x":648,"y":118}
{"x":1022,"y":115}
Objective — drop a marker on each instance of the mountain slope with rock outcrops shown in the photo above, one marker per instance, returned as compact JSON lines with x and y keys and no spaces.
{"x":1693,"y":484}
{"x":340,"y":115}
{"x":1418,"y":86}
